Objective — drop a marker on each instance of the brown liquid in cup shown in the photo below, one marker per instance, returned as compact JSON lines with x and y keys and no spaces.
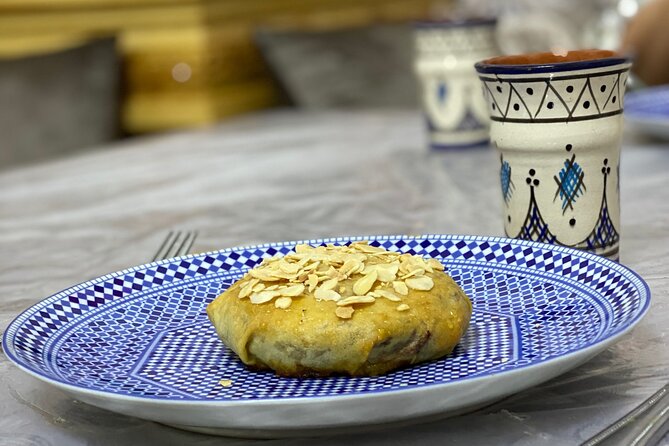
{"x":549,"y":58}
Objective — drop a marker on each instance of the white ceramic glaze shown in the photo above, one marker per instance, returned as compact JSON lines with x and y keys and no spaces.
{"x":557,"y":127}
{"x":454,"y":108}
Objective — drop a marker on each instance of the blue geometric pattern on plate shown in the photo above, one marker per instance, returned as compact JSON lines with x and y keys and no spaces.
{"x":143,"y":332}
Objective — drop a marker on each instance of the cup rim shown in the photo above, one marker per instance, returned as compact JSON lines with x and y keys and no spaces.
{"x":580,"y":60}
{"x":454,"y":23}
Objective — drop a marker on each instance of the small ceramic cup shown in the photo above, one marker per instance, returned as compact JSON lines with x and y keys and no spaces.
{"x":454,"y":108}
{"x":557,"y":124}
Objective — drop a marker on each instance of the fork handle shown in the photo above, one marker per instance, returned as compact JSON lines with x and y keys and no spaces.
{"x":645,"y":429}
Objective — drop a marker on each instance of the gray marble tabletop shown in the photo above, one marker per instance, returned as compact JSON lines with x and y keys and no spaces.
{"x":294,"y":175}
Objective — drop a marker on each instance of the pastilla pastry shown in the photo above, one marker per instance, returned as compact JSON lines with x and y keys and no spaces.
{"x":352,"y":310}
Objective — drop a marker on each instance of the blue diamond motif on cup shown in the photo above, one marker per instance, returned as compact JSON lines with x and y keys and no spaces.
{"x":570,"y":184}
{"x":505,"y":179}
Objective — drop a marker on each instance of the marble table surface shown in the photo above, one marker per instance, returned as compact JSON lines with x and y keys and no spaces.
{"x":293,"y":175}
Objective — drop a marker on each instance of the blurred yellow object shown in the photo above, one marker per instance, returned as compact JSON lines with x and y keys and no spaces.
{"x":154,"y":111}
{"x":188,"y":62}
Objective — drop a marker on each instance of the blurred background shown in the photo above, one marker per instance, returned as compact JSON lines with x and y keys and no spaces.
{"x":78,"y":73}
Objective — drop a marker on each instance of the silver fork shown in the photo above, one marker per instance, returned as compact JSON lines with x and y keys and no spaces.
{"x":645,"y":425}
{"x":177,"y":243}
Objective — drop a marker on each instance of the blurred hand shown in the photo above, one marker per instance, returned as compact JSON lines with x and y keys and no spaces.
{"x":647,"y":39}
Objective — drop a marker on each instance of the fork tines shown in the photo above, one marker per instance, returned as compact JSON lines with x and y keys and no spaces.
{"x":177,"y":243}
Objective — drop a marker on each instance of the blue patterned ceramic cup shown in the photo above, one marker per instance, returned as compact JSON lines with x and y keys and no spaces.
{"x":556,"y":120}
{"x":454,"y":108}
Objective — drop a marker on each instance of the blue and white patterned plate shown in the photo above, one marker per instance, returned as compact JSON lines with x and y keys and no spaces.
{"x":648,"y":111}
{"x":138,"y":341}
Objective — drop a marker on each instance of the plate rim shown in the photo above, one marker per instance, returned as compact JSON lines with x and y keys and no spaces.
{"x":639,"y":116}
{"x":644,"y":291}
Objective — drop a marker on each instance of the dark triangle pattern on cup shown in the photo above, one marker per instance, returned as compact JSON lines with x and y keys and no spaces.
{"x":605,"y":93}
{"x":585,"y":104}
{"x":571,"y":90}
{"x":552,"y":105}
{"x":518,"y":108}
{"x":612,"y":99}
{"x":492,"y":99}
{"x":566,"y":98}
{"x":499,"y":92}
{"x":530,"y":91}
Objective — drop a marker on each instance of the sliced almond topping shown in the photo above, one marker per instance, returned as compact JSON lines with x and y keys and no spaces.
{"x":266,"y":261}
{"x":356,"y":300}
{"x":301,"y":262}
{"x":363,"y":285}
{"x":312,"y":281}
{"x":263,"y":275}
{"x":359,"y":256}
{"x":405,"y":266}
{"x":311,"y":266}
{"x":367,"y":248}
{"x":288,"y":268}
{"x":386,"y":271}
{"x":281,"y":275}
{"x":400,"y":288}
{"x":303,"y":248}
{"x":436,"y":264}
{"x":349,"y":266}
{"x":292,"y":291}
{"x":344,"y":312}
{"x":283,"y":302}
{"x":388,"y":295}
{"x":263,"y":296}
{"x":329,"y":284}
{"x":415,"y":272}
{"x":359,"y":269}
{"x":322,"y":268}
{"x":307,"y":267}
{"x":384,"y":254}
{"x":423,"y":283}
{"x":332,"y":273}
{"x":337,"y":258}
{"x":322,"y":294}
{"x":245,"y":291}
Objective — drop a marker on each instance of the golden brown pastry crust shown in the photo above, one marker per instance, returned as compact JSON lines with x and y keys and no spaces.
{"x":309,"y":339}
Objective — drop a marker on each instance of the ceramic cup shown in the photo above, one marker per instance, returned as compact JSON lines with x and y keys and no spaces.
{"x":556,"y":120}
{"x":445,"y":53}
